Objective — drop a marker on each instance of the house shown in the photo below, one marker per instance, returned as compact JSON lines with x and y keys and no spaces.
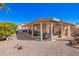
{"x":21,"y":27}
{"x":50,"y":28}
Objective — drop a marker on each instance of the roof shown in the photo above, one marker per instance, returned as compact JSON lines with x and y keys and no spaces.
{"x":48,"y":20}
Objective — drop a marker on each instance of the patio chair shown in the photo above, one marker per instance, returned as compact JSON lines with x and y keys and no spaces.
{"x":46,"y":35}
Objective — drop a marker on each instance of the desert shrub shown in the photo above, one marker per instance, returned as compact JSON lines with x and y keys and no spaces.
{"x":7,"y":28}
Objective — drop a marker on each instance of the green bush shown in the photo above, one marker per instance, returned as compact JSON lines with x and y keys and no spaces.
{"x":7,"y":28}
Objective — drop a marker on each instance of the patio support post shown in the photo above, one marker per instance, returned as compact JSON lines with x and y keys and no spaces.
{"x":27,"y":30}
{"x":32,"y":30}
{"x":52,"y":31}
{"x":69,"y":31}
{"x":61,"y":30}
{"x":64,"y":28}
{"x":41,"y":31}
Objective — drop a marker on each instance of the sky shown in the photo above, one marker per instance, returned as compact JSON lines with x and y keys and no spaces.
{"x":27,"y":12}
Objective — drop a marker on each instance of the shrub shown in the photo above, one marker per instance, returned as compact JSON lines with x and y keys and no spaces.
{"x":7,"y":28}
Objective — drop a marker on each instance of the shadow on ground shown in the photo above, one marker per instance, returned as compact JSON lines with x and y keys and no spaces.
{"x":25,"y":36}
{"x":70,"y":45}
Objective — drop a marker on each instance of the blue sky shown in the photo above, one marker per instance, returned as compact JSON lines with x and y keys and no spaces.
{"x":27,"y":12}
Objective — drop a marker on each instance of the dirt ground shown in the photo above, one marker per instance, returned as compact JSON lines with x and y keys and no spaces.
{"x":37,"y":48}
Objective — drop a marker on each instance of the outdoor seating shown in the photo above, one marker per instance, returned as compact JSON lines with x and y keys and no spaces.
{"x":46,"y":35}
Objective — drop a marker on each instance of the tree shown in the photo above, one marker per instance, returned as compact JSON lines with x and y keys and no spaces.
{"x":7,"y":28}
{"x":1,"y":5}
{"x":4,"y":7}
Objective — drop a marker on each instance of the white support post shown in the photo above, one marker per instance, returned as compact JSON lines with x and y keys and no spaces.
{"x":27,"y":30}
{"x":69,"y":31}
{"x":62,"y":30}
{"x":52,"y":31}
{"x":32,"y":30}
{"x":41,"y":31}
{"x":65,"y":30}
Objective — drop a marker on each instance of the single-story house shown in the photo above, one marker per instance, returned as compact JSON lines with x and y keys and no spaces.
{"x":21,"y":27}
{"x":50,"y":28}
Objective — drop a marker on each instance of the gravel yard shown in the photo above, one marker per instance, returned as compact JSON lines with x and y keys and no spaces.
{"x":37,"y":48}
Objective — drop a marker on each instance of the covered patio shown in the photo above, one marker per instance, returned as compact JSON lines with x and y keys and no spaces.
{"x":50,"y":28}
